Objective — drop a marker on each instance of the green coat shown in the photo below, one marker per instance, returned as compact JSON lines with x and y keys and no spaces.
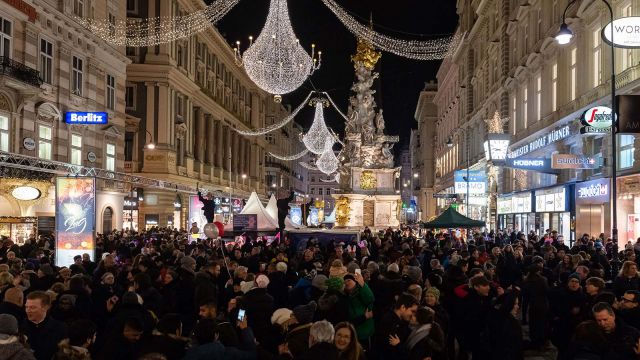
{"x":359,"y":301}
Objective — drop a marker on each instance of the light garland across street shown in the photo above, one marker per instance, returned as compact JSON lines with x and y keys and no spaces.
{"x":434,"y":49}
{"x":291,"y":157}
{"x":278,"y":125}
{"x":143,"y":32}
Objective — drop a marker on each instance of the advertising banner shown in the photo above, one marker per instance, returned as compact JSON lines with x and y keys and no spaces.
{"x":75,"y":218}
{"x":196,"y":214}
{"x":477,"y":182}
{"x":245,"y":222}
{"x":296,"y":215}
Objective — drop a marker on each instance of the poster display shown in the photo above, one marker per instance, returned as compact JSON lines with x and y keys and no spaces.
{"x":20,"y":232}
{"x":296,"y":215}
{"x":75,"y":218}
{"x":196,"y":214}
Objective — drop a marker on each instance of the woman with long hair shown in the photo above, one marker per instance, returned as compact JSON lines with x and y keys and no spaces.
{"x":346,"y":340}
{"x":627,"y":279}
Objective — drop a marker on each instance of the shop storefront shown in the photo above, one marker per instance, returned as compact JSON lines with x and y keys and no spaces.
{"x":592,"y":203}
{"x":553,"y":210}
{"x":515,"y":212}
{"x":130,"y":213}
{"x":628,"y":209}
{"x":18,"y":229}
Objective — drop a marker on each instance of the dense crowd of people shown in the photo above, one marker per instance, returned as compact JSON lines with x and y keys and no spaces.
{"x":162,"y":294}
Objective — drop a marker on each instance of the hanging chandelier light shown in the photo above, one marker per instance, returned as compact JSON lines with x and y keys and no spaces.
{"x":276,"y":61}
{"x":328,"y":162}
{"x":315,"y":139}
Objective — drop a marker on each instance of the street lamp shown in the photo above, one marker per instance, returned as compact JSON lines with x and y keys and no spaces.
{"x":563,"y":37}
{"x":150,"y":145}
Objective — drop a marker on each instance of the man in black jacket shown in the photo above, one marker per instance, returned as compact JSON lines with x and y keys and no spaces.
{"x":43,"y":332}
{"x":622,"y":340}
{"x":393,"y":329}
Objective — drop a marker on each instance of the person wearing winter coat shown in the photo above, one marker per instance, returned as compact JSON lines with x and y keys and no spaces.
{"x":259,"y":306}
{"x":360,"y":302}
{"x":504,"y":328}
{"x":301,"y":319}
{"x":627,"y":279}
{"x":12,"y":344}
{"x":206,"y":333}
{"x":426,"y":339}
{"x":208,"y":205}
{"x":321,"y":346}
{"x":76,"y":347}
{"x":333,"y":304}
{"x":535,"y":290}
{"x":43,"y":332}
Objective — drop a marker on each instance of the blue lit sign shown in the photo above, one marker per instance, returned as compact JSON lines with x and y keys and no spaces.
{"x":86,"y":118}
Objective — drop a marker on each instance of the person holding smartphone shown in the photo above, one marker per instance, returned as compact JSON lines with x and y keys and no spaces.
{"x":360,"y":302}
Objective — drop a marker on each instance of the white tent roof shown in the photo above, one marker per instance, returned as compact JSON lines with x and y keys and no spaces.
{"x":272,"y":207}
{"x":254,"y":206}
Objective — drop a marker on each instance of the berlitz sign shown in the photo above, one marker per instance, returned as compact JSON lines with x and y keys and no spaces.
{"x":626,"y":32}
{"x":86,"y":118}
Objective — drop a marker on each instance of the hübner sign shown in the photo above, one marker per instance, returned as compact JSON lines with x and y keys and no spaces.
{"x":626,"y":32}
{"x":542,"y":141}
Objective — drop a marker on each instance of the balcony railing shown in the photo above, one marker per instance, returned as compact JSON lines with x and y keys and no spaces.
{"x":19,"y":71}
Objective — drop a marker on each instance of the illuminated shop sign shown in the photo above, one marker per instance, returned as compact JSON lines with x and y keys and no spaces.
{"x":626,"y":32}
{"x":477,"y":182}
{"x":598,"y":117}
{"x":573,"y":161}
{"x":593,"y":192}
{"x":537,"y":164}
{"x":86,"y":118}
{"x":542,"y":141}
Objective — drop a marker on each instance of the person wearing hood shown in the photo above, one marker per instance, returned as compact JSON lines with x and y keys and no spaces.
{"x":259,"y":306}
{"x":12,"y":344}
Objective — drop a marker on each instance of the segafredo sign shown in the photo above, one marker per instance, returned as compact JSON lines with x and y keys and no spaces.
{"x":598,"y":117}
{"x":626,"y":32}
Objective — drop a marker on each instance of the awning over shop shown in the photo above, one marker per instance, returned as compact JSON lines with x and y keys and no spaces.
{"x":451,"y":218}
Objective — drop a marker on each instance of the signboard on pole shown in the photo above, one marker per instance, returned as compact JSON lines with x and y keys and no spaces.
{"x":75,"y":218}
{"x":245,"y":222}
{"x":477,"y":182}
{"x":626,"y":32}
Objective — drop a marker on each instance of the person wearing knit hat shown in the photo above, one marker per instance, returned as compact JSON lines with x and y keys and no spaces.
{"x":320,"y":282}
{"x":304,"y":313}
{"x":335,"y":284}
{"x":281,"y":316}
{"x":10,"y":345}
{"x":432,"y":296}
{"x":262,"y":281}
{"x":337,"y":269}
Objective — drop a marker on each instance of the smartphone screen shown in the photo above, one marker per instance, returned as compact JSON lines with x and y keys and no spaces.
{"x":241,"y":315}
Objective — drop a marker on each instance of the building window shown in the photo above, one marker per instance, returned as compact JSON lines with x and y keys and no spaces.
{"x":597,"y":69}
{"x":45,"y":137}
{"x":525,"y":106}
{"x":626,"y":151}
{"x":130,"y":97}
{"x":112,"y":24}
{"x":513,"y":114}
{"x":132,"y":6}
{"x":4,"y":133}
{"x":76,"y":78}
{"x":538,"y":97}
{"x":312,"y":191}
{"x":78,"y":7}
{"x":107,"y":220}
{"x":627,"y":54}
{"x":110,"y":161}
{"x":46,"y":60}
{"x":573,"y":71}
{"x":111,"y":92}
{"x":76,"y":149}
{"x":179,"y":109}
{"x":6,"y":37}
{"x":554,"y":87}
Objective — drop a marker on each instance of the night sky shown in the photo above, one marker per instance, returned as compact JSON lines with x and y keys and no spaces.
{"x":400,"y":79}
